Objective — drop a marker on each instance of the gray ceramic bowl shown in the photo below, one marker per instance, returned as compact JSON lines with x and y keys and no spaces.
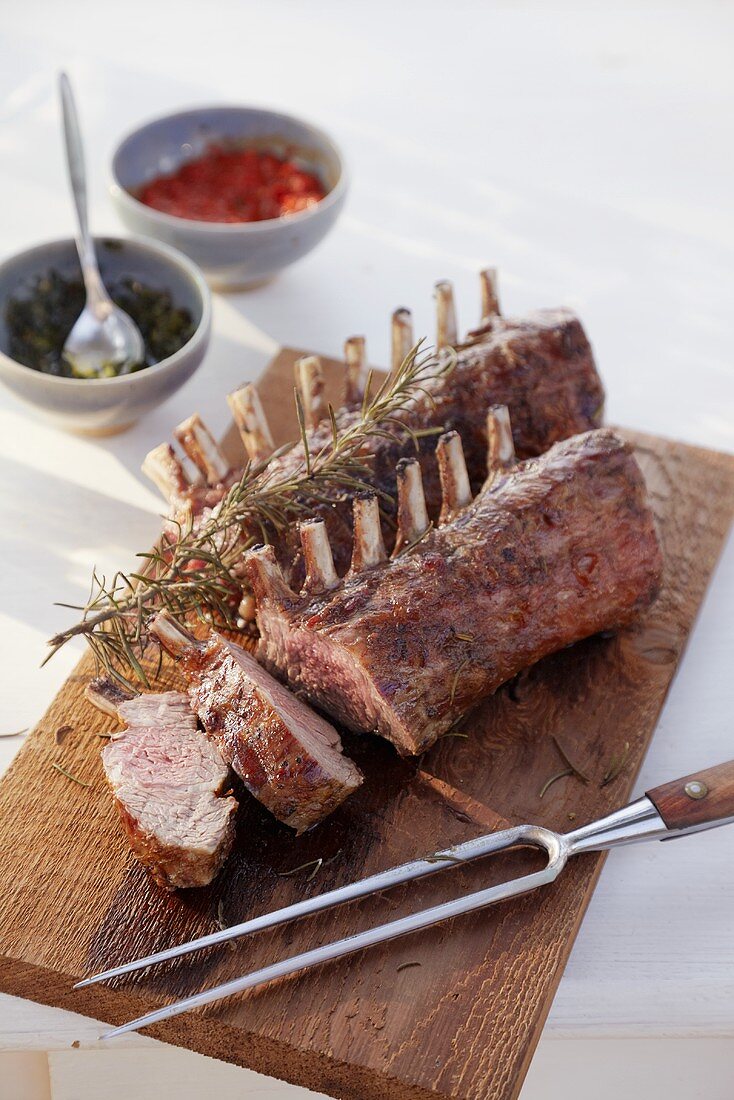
{"x":102,"y":406}
{"x":232,"y":256}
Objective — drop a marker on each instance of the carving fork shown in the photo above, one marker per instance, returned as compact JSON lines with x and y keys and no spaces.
{"x":689,"y":805}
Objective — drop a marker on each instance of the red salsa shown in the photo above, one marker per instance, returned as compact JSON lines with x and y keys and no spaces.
{"x":234,"y":185}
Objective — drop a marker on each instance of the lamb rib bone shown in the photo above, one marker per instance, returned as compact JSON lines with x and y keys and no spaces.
{"x":557,"y":549}
{"x":402,"y":336}
{"x":167,"y":780}
{"x":413,"y":518}
{"x":500,"y":445}
{"x":252,"y":423}
{"x":355,"y":357}
{"x":369,"y":545}
{"x":541,"y":366}
{"x":201,"y":447}
{"x":490,"y":294}
{"x":320,"y":572}
{"x":164,"y":468}
{"x":447,"y":333}
{"x":455,"y":488}
{"x":287,"y":756}
{"x":310,"y":385}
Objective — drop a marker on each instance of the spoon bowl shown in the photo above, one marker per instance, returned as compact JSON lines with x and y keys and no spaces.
{"x":104,"y":341}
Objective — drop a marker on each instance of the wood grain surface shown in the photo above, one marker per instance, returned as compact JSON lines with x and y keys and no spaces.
{"x":696,"y":799}
{"x":452,"y":1012}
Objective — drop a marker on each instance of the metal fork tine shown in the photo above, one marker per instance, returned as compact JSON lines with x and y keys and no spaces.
{"x":361,"y":940}
{"x":460,"y":853}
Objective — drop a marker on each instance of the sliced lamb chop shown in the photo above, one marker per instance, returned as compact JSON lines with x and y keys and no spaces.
{"x":167,"y":779}
{"x":287,"y":756}
{"x":551,"y":552}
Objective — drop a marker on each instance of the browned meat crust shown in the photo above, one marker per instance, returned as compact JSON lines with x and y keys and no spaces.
{"x":559,"y":549}
{"x":541,"y":366}
{"x":288,"y":757}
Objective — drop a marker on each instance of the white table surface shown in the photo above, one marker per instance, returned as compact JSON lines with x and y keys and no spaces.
{"x":584,"y":149}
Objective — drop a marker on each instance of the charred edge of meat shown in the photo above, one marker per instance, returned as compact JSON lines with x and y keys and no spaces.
{"x":288,"y":757}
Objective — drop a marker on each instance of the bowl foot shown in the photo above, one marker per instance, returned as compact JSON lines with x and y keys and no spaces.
{"x":233,"y":284}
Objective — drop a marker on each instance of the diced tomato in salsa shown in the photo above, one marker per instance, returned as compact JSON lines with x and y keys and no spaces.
{"x":225,"y":185}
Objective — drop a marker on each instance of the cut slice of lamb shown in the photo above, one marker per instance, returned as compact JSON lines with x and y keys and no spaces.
{"x":287,"y":756}
{"x":167,"y":779}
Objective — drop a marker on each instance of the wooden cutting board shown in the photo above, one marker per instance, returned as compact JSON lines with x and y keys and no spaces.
{"x":452,"y":1012}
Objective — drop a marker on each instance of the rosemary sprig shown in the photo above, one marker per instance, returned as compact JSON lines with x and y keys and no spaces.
{"x":194,"y":572}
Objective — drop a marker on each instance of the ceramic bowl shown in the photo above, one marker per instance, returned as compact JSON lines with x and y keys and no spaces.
{"x":105,"y":405}
{"x":232,"y":256}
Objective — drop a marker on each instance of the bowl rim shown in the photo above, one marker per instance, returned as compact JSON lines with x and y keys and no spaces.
{"x":332,"y":197}
{"x":177,"y":259}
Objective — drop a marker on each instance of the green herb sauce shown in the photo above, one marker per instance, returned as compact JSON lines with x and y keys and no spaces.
{"x":40,"y":318}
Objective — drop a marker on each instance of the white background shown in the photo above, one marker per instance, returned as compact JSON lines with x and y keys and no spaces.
{"x":585,"y":150}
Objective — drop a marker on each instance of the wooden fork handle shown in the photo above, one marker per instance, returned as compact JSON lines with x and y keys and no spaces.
{"x":699,"y":799}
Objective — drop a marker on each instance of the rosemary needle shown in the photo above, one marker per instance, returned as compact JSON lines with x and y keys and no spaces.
{"x":74,"y":778}
{"x":576,"y":771}
{"x":616,"y":766}
{"x":455,"y":681}
{"x":554,"y":778}
{"x":315,"y":864}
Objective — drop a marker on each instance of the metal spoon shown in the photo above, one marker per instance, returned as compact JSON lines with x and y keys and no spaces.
{"x":104,"y":340}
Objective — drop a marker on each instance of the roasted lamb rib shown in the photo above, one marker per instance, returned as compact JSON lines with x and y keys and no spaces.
{"x":287,"y":756}
{"x":167,"y":779}
{"x":541,"y":366}
{"x":550,"y":552}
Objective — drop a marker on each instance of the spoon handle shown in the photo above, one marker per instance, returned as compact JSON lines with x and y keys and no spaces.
{"x":78,"y":182}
